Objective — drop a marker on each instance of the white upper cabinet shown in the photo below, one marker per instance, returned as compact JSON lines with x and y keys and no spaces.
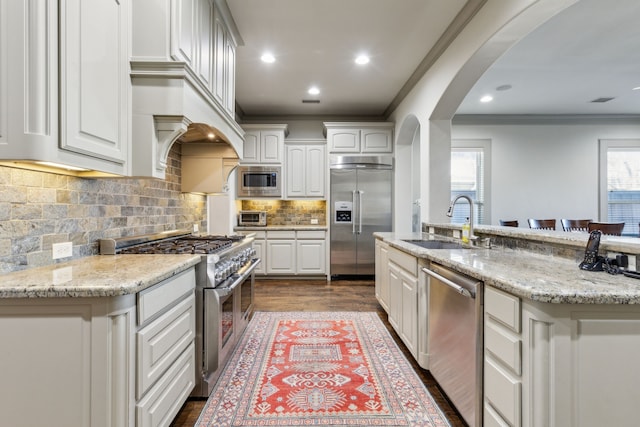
{"x":355,"y":138}
{"x":305,"y":170}
{"x":264,"y":143}
{"x":65,"y":74}
{"x":183,"y":72}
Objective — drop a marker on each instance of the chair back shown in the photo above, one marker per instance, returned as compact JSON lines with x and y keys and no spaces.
{"x":542,"y":224}
{"x":610,"y":228}
{"x":509,"y":223}
{"x":575,"y":224}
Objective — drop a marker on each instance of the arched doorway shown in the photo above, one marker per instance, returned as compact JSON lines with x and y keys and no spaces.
{"x":407,"y":203}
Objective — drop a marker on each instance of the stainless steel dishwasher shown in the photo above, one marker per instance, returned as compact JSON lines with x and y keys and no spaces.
{"x":455,"y":338}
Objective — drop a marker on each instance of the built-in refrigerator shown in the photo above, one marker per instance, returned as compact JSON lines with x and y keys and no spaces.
{"x":360,"y":198}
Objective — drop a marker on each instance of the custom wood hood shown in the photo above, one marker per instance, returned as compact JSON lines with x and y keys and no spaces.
{"x":183,"y":80}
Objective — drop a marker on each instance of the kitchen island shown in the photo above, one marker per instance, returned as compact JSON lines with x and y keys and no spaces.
{"x":98,"y":341}
{"x":559,"y":343}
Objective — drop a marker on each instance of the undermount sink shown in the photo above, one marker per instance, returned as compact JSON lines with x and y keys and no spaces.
{"x":436,"y":244}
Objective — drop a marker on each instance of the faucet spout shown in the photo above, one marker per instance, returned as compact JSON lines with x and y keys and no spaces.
{"x":450,"y":212}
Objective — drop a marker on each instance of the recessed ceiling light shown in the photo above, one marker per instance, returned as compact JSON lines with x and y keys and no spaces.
{"x":362,"y":59}
{"x":486,"y":98}
{"x":636,"y":88}
{"x":268,"y":58}
{"x":313,"y":90}
{"x":211,"y":135}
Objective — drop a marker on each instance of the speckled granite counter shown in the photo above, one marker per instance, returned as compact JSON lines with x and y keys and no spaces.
{"x":528,"y":275}
{"x":281,"y":227}
{"x":95,"y":276}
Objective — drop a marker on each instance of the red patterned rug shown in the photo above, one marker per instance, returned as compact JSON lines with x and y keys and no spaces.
{"x":304,"y":368}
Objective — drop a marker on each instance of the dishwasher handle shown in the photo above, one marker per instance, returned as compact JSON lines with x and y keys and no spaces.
{"x":461,"y":290}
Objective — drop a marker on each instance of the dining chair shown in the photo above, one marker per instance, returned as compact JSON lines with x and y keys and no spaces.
{"x":610,"y":228}
{"x":575,"y":224}
{"x":509,"y":223}
{"x":542,"y":224}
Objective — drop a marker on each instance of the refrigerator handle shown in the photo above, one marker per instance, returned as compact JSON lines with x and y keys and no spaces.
{"x":360,"y":193}
{"x":353,"y":213}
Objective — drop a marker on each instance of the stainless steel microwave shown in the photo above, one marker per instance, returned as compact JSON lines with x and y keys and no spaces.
{"x":256,"y":218}
{"x":259,"y":181}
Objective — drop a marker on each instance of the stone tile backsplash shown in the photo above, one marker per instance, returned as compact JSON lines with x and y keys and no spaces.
{"x":289,"y":212}
{"x":38,"y":209}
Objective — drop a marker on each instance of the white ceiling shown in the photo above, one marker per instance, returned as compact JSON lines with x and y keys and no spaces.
{"x":589,"y":51}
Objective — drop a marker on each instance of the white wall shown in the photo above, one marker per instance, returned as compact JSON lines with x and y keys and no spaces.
{"x":545,"y":170}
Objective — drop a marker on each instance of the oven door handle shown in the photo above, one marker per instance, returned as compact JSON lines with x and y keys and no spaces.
{"x":242,"y":274}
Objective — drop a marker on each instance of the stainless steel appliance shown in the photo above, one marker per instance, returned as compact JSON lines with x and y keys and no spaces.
{"x":455,"y":338}
{"x":360,"y":205}
{"x":259,"y":181}
{"x":255,"y":218}
{"x":224,"y":291}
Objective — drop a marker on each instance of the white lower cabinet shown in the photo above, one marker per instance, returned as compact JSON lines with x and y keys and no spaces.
{"x":559,"y":364}
{"x":290,"y":252}
{"x":403,"y":297}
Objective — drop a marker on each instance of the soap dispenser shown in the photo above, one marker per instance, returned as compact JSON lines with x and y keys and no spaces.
{"x":465,"y":231}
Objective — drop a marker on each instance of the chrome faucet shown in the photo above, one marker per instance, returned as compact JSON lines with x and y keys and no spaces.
{"x":450,"y":213}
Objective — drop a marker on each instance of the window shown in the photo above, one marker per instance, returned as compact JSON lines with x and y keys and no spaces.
{"x":470,"y":166}
{"x":620,"y":183}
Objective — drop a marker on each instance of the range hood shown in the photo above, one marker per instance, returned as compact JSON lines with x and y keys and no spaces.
{"x":207,"y":160}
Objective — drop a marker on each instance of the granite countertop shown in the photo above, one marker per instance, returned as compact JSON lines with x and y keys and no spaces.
{"x":95,"y":276}
{"x":528,"y":275}
{"x":280,"y":227}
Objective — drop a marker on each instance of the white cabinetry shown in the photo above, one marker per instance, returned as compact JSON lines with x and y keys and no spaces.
{"x":263,"y":144}
{"x":120,"y":361}
{"x":281,"y":252}
{"x":67,"y":90}
{"x":559,"y":364}
{"x":165,"y":349}
{"x":305,"y":171}
{"x":403,"y":297}
{"x":310,"y":252}
{"x":369,"y":137}
{"x":382,"y":274}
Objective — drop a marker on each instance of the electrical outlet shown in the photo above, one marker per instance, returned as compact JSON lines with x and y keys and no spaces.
{"x":196,"y":228}
{"x":62,"y":250}
{"x":314,"y":221}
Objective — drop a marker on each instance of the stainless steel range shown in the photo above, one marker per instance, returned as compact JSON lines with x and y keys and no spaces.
{"x":224,"y":291}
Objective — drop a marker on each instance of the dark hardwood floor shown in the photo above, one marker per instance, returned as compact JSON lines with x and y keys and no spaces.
{"x":319,"y":295}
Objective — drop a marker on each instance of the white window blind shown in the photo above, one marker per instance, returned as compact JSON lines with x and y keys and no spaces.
{"x":623,"y":187}
{"x":468,"y":178}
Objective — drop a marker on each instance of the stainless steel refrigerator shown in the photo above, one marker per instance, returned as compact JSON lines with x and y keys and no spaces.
{"x":360,"y":199}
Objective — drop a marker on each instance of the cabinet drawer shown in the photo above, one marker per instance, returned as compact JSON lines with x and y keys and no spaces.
{"x":404,"y":260}
{"x":154,"y":300}
{"x":260,"y":234}
{"x":162,"y":341}
{"x":502,"y":392}
{"x":503,"y":307}
{"x":503,"y":346}
{"x":165,"y":399}
{"x":281,"y":234}
{"x":311,"y":234}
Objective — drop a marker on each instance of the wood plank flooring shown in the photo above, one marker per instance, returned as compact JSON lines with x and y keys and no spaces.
{"x":320,"y":295}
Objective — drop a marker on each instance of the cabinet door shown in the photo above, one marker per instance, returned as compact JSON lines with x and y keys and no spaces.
{"x":395,"y":296}
{"x":377,"y":140}
{"x":271,"y":146}
{"x":219,"y":66}
{"x":205,"y":43}
{"x":311,"y":256}
{"x":409,"y":310}
{"x":315,"y":171}
{"x":382,"y":274}
{"x":251,"y":147}
{"x":94,"y":78}
{"x":230,"y":77}
{"x":281,"y":256}
{"x":295,"y":168}
{"x":343,"y":140}
{"x":258,"y":245}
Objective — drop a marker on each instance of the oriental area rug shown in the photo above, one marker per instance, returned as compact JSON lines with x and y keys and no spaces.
{"x":319,"y":368}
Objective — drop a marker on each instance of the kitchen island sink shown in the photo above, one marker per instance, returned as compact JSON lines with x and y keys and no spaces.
{"x":436,"y":244}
